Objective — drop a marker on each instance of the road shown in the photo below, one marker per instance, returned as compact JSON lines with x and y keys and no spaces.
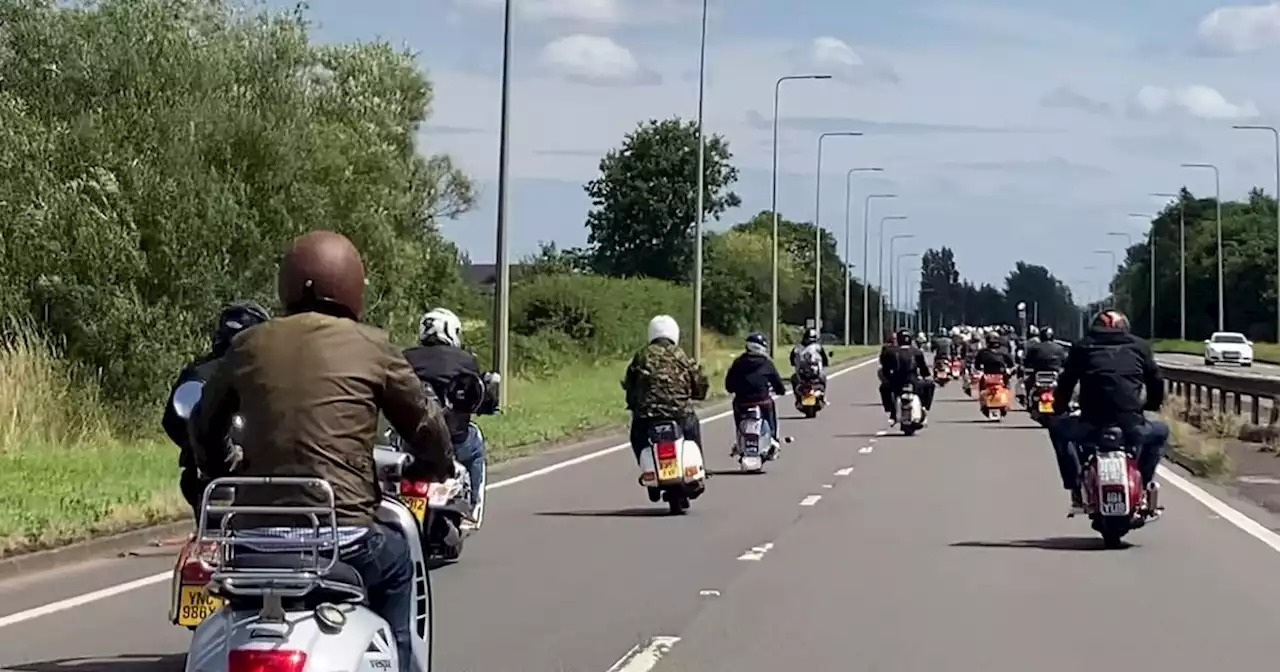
{"x":1258,"y":369}
{"x":949,"y":550}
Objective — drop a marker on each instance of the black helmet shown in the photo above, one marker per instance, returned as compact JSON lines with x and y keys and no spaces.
{"x":809,"y":336}
{"x":757,"y":344}
{"x":993,"y":339}
{"x":904,"y":337}
{"x":1046,"y":332}
{"x":1111,"y":320}
{"x":235,"y":318}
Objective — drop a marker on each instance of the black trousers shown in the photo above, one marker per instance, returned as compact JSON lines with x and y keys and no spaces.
{"x":768,"y":411}
{"x":924,"y":388}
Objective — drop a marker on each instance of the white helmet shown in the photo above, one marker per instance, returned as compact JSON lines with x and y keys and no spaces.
{"x":664,"y":326}
{"x":440,"y":325}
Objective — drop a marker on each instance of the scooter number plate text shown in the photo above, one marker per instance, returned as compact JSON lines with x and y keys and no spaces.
{"x":418,"y":506}
{"x":1046,"y":406}
{"x":195,"y":605}
{"x":809,"y":400}
{"x":668,"y":470}
{"x":1113,"y":503}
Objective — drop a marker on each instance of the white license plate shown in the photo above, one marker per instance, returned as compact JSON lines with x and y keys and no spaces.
{"x":1113,"y":504}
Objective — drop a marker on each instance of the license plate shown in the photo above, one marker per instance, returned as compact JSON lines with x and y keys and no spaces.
{"x":418,"y":505}
{"x":668,"y":470}
{"x":809,"y":400}
{"x":1046,"y":406}
{"x":1113,"y":503}
{"x":195,"y":605}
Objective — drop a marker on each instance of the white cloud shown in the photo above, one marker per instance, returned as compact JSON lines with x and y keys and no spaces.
{"x":1238,"y":29}
{"x":595,"y":60}
{"x":1196,"y":100}
{"x":834,"y":56}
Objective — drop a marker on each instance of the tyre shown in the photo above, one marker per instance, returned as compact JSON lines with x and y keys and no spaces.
{"x":677,"y":502}
{"x":809,"y":411}
{"x":1113,"y":531}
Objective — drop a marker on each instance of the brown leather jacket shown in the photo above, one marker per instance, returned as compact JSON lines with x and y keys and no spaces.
{"x":309,"y":387}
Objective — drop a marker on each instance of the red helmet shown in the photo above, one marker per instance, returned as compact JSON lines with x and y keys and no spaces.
{"x":1111,"y":319}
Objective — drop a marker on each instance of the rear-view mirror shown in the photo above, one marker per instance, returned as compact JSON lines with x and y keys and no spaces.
{"x":186,"y":397}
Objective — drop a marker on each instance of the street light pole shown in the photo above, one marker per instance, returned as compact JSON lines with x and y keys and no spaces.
{"x":892,"y":280}
{"x":1217,"y":196}
{"x":817,"y":229}
{"x":895,"y":271}
{"x":502,"y":284}
{"x":773,"y":199}
{"x":880,"y":267}
{"x":1128,"y":244}
{"x":848,"y":267}
{"x":1182,"y":262}
{"x":1276,"y":135}
{"x":866,"y":292}
{"x":702,"y":186}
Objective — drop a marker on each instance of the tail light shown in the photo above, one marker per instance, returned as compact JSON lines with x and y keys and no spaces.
{"x":196,"y":572}
{"x":265,"y":660}
{"x":1046,"y":395}
{"x":666,"y":450}
{"x":415,"y":488}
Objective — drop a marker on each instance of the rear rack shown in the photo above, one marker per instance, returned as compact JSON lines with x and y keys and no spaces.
{"x":317,"y":552}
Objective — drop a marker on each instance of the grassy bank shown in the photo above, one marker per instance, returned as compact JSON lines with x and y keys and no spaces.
{"x":67,"y":472}
{"x":1198,"y":438}
{"x":1262,"y":352}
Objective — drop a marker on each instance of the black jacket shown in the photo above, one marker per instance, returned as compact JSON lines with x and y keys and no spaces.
{"x":1112,"y":368}
{"x":943,"y":346}
{"x":752,"y":377}
{"x":994,"y":360}
{"x":175,"y":426}
{"x":1045,"y":356}
{"x":902,"y":364}
{"x":437,"y":365}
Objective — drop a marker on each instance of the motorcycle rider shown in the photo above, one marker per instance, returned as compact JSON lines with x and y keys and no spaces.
{"x":234,"y":318}
{"x":1113,"y":368}
{"x":942,"y":349}
{"x":995,"y":357}
{"x":901,"y":365}
{"x":437,"y":361}
{"x":661,"y":383}
{"x":311,"y":384}
{"x":752,"y":380}
{"x":810,"y":360}
{"x":1041,"y":355}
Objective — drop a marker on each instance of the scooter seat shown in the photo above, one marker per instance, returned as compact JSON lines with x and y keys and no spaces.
{"x":341,"y":584}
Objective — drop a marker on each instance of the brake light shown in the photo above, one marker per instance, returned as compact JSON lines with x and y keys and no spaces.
{"x":196,"y":572}
{"x":265,"y":660}
{"x":666,"y":450}
{"x":415,"y":488}
{"x":1046,"y":395}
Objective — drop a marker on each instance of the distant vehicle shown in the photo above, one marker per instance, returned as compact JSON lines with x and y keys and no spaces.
{"x":1228,"y":347}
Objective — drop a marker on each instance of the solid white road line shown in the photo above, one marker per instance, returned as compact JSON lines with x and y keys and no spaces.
{"x":111,"y":591}
{"x":645,"y":657}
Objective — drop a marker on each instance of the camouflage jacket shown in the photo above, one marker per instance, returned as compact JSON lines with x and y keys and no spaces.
{"x":663,"y":382}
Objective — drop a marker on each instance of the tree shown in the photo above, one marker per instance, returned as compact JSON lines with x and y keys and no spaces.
{"x":160,"y":153}
{"x":1249,"y":269}
{"x":1048,"y":301}
{"x":644,"y":201}
{"x":738,"y":286}
{"x":796,"y":240}
{"x":962,"y":302}
{"x":551,"y":260}
{"x":940,"y":283}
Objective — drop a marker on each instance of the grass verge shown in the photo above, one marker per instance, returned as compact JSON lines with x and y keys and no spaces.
{"x":1198,"y":438}
{"x":1262,"y":352}
{"x":67,"y":474}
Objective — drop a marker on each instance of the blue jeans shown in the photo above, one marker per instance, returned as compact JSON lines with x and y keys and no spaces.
{"x":1068,"y":432}
{"x":381,"y":557}
{"x":471,"y":454}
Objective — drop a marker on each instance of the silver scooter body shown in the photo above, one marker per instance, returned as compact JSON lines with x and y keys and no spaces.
{"x":311,"y":607}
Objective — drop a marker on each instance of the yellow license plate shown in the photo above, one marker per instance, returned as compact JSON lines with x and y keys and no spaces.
{"x":418,"y":505}
{"x":809,"y":400}
{"x":1046,"y":406}
{"x":195,"y":605}
{"x":668,"y":470}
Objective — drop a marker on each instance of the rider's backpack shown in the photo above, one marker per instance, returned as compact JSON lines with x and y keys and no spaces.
{"x":809,"y":360}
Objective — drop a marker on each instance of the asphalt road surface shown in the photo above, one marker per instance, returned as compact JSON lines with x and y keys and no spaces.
{"x":1258,"y":368}
{"x":857,"y":551}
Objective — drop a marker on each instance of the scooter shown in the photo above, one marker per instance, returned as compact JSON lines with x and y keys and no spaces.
{"x":993,"y":399}
{"x":671,"y":467}
{"x":810,"y":396}
{"x":755,"y":442}
{"x":910,"y":411}
{"x":1043,"y":385}
{"x":289,"y":604}
{"x":1114,"y":498}
{"x":443,"y":509}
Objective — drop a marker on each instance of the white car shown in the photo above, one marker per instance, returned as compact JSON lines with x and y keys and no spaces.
{"x":1230,"y":347}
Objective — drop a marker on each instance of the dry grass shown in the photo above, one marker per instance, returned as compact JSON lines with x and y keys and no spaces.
{"x":1199,"y":437}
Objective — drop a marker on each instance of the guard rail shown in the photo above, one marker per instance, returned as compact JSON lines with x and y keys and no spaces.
{"x":1225,"y":392}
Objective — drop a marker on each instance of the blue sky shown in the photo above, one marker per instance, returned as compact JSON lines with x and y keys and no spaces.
{"x":1029,"y":128}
